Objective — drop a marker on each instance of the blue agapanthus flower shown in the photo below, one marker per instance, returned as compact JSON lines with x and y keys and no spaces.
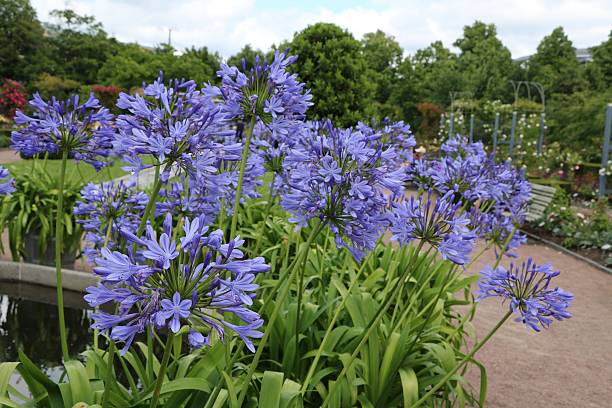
{"x":495,"y":194}
{"x":106,"y":209}
{"x":336,"y":176}
{"x":440,"y":224}
{"x":392,"y":134}
{"x":194,"y":280}
{"x":83,"y":130}
{"x":174,"y":124}
{"x":495,"y":226}
{"x":6,"y":186}
{"x":528,"y":289}
{"x":268,"y":92}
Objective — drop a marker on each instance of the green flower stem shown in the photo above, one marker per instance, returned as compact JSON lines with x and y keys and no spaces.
{"x":504,"y":248}
{"x":59,"y":237}
{"x":371,"y":327}
{"x":331,"y":324}
{"x":148,"y":214}
{"x":298,"y":313}
{"x":245,"y":156}
{"x":108,"y":378}
{"x":277,"y":307}
{"x":151,"y":204}
{"x":270,"y":201}
{"x":162,"y":370}
{"x":465,"y":359}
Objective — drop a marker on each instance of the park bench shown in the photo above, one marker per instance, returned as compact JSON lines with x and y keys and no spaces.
{"x":539,"y":199}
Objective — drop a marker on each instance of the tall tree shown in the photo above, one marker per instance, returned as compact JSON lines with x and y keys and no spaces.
{"x":331,"y":63}
{"x":80,"y":45}
{"x":383,"y":57}
{"x":22,"y":43}
{"x":437,"y":74}
{"x":555,"y":66}
{"x":485,"y":62}
{"x":211,"y":60}
{"x":601,"y":67}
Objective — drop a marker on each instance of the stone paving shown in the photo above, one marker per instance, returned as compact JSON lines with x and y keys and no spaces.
{"x":8,"y":156}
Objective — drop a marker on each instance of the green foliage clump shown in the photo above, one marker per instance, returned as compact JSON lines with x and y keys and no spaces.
{"x":555,"y":66}
{"x":577,"y":230}
{"x":31,"y":211}
{"x":49,"y":85}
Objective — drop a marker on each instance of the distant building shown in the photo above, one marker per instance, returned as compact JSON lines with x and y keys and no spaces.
{"x":583,"y":55}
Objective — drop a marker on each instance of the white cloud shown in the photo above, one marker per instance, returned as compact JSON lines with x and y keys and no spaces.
{"x":226,"y":25}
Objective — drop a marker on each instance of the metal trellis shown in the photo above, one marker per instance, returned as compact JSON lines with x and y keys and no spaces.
{"x":605,"y":154}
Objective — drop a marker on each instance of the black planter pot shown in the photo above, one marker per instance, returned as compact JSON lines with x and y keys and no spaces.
{"x":33,"y":254}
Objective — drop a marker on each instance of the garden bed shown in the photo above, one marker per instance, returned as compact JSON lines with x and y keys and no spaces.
{"x":595,"y":255}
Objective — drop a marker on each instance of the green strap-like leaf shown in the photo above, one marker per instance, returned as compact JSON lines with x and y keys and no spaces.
{"x":410,"y":386}
{"x":36,"y":378}
{"x":271,"y":386}
{"x":79,"y":382}
{"x":6,"y":370}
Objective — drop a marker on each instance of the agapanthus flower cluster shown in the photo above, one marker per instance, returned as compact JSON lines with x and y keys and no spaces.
{"x":528,"y":289}
{"x":84,"y":130}
{"x":6,"y":186}
{"x":495,"y":226}
{"x":174,"y":124}
{"x":268,"y":92}
{"x":195,"y":280}
{"x":392,"y":134}
{"x":439,"y":223}
{"x":336,"y":176}
{"x":104,"y":210}
{"x":495,"y":194}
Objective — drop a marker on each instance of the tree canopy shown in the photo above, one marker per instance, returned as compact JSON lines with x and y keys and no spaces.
{"x":332,"y":64}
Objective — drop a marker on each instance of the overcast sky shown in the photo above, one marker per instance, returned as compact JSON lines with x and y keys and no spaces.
{"x":226,"y":25}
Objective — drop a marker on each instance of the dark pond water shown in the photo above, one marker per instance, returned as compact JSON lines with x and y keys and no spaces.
{"x":28,"y":321}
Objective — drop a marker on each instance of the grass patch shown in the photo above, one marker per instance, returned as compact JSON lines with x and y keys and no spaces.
{"x":75,"y":171}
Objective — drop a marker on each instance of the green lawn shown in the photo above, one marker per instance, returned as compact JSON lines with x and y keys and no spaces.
{"x":74,"y":171}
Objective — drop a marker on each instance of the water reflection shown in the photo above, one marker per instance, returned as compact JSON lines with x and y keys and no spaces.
{"x":28,"y":321}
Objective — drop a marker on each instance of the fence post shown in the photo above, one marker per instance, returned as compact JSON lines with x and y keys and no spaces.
{"x":606,"y":150}
{"x":495,"y":129}
{"x":472,"y":128}
{"x":541,"y":136}
{"x":451,"y":125}
{"x":512,"y":130}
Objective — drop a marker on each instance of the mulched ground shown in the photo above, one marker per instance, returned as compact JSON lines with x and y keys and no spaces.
{"x":568,"y":365}
{"x":594,"y":254}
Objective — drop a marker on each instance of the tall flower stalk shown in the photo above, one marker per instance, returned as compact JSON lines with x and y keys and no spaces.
{"x":73,"y":130}
{"x":59,"y":235}
{"x":268,"y":94}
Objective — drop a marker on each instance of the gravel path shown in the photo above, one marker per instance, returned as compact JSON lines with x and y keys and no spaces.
{"x":8,"y":156}
{"x":568,"y":365}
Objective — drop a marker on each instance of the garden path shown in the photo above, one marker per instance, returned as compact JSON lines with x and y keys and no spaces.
{"x":8,"y":156}
{"x":567,"y":365}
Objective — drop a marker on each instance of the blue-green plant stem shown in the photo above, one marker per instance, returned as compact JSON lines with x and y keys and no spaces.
{"x":298,"y":314}
{"x":277,"y":307}
{"x":162,"y":370}
{"x":245,"y":156}
{"x":464,"y":360}
{"x":151,"y":204}
{"x":59,"y":237}
{"x":108,"y":377}
{"x":269,"y":202}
